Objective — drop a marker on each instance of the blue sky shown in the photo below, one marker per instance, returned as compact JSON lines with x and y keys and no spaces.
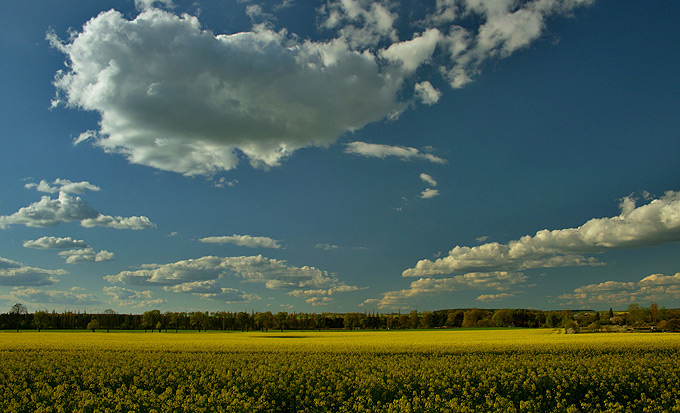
{"x":339,"y":155}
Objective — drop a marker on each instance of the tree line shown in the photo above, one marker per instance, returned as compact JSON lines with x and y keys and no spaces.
{"x":636,"y":317}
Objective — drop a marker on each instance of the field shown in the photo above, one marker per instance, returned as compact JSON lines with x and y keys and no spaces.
{"x":503,"y":370}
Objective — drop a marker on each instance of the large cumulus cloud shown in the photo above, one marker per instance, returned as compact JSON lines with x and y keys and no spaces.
{"x":177,"y":97}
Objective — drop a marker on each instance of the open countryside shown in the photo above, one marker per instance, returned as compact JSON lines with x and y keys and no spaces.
{"x":447,"y":370}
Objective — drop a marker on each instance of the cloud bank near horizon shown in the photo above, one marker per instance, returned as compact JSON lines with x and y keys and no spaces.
{"x":654,"y":223}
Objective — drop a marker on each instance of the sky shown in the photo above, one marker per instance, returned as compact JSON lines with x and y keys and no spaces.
{"x":339,"y":155}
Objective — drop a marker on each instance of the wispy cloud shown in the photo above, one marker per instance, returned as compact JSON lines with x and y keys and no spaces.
{"x":405,"y":153}
{"x":654,"y":223}
{"x":243,"y":241}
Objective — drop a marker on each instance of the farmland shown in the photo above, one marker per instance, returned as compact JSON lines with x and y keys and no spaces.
{"x":394,"y":371}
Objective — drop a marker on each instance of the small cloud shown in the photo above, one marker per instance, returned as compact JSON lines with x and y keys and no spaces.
{"x":55,"y":243}
{"x":224,"y":183}
{"x":327,"y":247}
{"x":87,"y":135}
{"x":429,"y":193}
{"x":494,"y":297}
{"x":427,"y":93}
{"x":63,"y":185}
{"x":482,"y":238}
{"x":142,"y":5}
{"x":404,"y":153}
{"x":428,"y":179}
{"x":243,"y":241}
{"x":86,"y":255}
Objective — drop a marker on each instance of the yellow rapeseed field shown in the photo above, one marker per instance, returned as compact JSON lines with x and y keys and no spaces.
{"x":505,"y":370}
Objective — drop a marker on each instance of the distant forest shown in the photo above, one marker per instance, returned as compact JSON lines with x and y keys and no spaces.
{"x":636,"y":317}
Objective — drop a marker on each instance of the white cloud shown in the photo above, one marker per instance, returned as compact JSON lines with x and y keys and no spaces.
{"x":33,"y":295}
{"x":195,"y":273}
{"x":121,"y":294}
{"x":79,"y":251}
{"x":179,"y":98}
{"x":13,"y":273}
{"x":67,"y":208}
{"x":131,"y":298}
{"x":319,"y":301}
{"x":429,"y":193}
{"x":427,"y":93}
{"x":505,"y":28}
{"x":413,"y":53}
{"x":244,"y":241}
{"x":360,"y":23}
{"x":426,"y":287}
{"x":63,"y":185}
{"x":176,"y":97}
{"x":654,"y":223}
{"x":86,"y":255}
{"x":148,"y":4}
{"x":382,"y":151}
{"x":655,"y":287}
{"x":428,"y":179}
{"x":55,"y":243}
{"x":212,"y":290}
{"x":494,"y":297}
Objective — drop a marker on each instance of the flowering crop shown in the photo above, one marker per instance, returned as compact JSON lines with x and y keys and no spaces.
{"x":388,"y":371}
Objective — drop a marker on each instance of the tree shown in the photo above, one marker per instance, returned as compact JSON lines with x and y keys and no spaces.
{"x":280,"y":320}
{"x":454,"y":318}
{"x":150,"y":319}
{"x":502,"y":318}
{"x":18,"y":312}
{"x":199,"y":319}
{"x":413,"y":319}
{"x":93,"y":325}
{"x":552,"y":320}
{"x":654,"y":312}
{"x":41,"y":320}
{"x":471,"y":317}
{"x":427,"y":319}
{"x":108,"y":319}
{"x":171,"y":322}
